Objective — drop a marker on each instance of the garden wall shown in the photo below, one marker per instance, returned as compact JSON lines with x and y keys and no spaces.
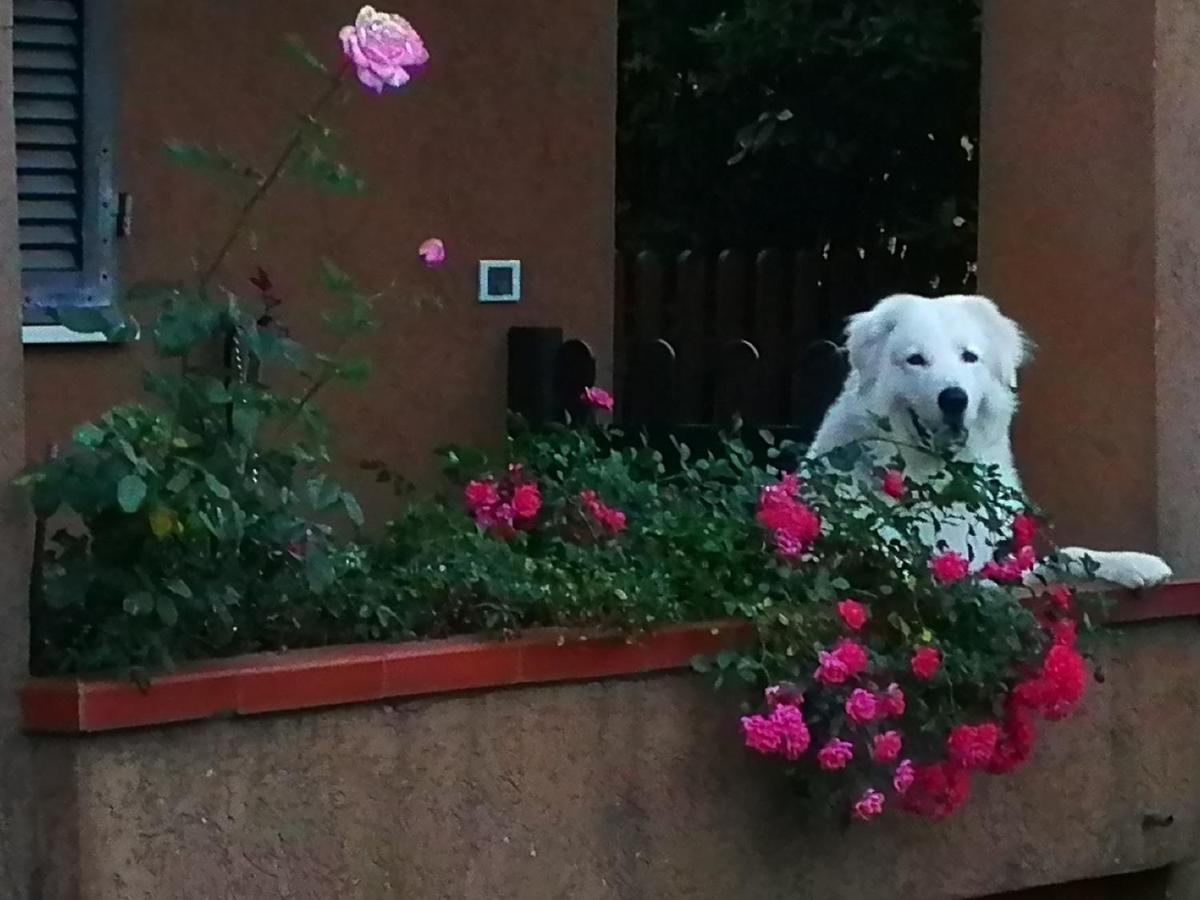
{"x":503,"y":147}
{"x":633,"y":788}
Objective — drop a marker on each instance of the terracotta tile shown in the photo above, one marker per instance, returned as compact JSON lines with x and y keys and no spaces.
{"x":451,"y":666}
{"x":338,"y":676}
{"x":108,"y":705}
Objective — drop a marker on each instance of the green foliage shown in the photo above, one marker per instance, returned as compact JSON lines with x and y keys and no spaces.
{"x":781,"y":122}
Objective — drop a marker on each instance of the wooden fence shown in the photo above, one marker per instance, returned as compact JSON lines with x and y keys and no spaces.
{"x":702,"y":337}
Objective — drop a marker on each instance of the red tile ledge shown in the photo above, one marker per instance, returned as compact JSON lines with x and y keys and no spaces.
{"x":330,"y":676}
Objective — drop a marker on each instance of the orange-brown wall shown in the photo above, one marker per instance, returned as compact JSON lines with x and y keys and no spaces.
{"x":504,"y":148}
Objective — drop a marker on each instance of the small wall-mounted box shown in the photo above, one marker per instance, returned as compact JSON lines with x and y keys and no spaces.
{"x":499,"y":280}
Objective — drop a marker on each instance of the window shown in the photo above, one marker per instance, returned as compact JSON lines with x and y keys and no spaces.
{"x":64,"y":85}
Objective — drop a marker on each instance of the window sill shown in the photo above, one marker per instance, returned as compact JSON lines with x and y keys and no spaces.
{"x":332,"y":676}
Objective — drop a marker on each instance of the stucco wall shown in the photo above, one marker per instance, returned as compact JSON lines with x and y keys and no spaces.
{"x":626,"y":789}
{"x":504,"y":148}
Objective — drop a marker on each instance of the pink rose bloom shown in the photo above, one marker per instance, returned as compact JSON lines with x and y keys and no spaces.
{"x":853,"y":613}
{"x":793,"y":732}
{"x":861,"y":707}
{"x":1065,"y":632}
{"x":1024,"y":530}
{"x":831,"y":669}
{"x":972,"y":746}
{"x":835,"y":755}
{"x":892,"y":703}
{"x":1060,"y":596}
{"x":869,"y":805}
{"x":949,"y":567}
{"x":598,"y":398}
{"x":504,"y":514}
{"x":893,"y":484}
{"x":480,"y":495}
{"x":526,"y":501}
{"x":432,"y":252}
{"x":926,"y":662}
{"x":903,"y":779}
{"x":1007,"y":572}
{"x":761,"y":735}
{"x":852,"y":655}
{"x":383,"y":47}
{"x":886,"y":747}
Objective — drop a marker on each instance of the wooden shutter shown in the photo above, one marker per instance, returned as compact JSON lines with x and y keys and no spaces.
{"x":48,"y":105}
{"x":64,"y":104}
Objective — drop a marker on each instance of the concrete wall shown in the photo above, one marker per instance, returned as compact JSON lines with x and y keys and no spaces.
{"x":16,"y":811}
{"x":631,"y":789}
{"x":504,"y":148}
{"x":1090,"y":236}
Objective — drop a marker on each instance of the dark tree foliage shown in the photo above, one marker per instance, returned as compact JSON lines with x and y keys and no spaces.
{"x":783,"y":122}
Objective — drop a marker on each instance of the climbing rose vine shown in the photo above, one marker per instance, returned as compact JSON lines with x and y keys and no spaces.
{"x":900,"y":675}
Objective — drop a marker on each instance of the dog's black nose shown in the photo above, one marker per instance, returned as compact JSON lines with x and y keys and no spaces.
{"x":953,"y":403}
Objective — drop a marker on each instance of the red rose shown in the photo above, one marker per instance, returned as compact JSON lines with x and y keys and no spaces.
{"x":926,"y":662}
{"x":972,"y":746}
{"x":853,"y":614}
{"x":526,"y":502}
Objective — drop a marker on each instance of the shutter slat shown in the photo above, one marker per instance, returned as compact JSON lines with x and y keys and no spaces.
{"x":46,"y":186}
{"x":48,"y":236}
{"x":45,"y":84}
{"x":45,"y":60}
{"x":46,"y":135}
{"x":44,"y":35}
{"x":30,"y":160}
{"x":39,"y":260}
{"x":45,"y":110}
{"x":47,"y":211}
{"x":49,"y":10}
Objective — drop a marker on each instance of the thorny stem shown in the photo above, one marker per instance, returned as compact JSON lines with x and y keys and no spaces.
{"x":271,"y":177}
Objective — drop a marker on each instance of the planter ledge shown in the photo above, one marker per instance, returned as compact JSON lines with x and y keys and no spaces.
{"x":330,"y":676}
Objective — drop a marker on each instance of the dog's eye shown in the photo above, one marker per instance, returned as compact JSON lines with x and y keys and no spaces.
{"x":917,"y":360}
{"x":969,"y":357}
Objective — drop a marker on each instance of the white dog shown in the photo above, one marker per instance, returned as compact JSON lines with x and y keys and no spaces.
{"x":949,"y":364}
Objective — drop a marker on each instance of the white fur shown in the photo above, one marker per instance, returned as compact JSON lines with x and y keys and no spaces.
{"x":906,"y":351}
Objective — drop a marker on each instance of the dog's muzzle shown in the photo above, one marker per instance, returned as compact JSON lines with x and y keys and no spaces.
{"x":953,"y":404}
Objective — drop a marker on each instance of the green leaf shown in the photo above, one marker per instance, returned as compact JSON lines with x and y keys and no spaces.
{"x":214,"y":485}
{"x":83,"y":320}
{"x":138,"y":604}
{"x":179,"y":587}
{"x":318,"y":570}
{"x":353,"y":510}
{"x":215,"y":392}
{"x":179,"y":481}
{"x":131,"y":491}
{"x":245,"y":421}
{"x":168,"y":613}
{"x":88,"y":436}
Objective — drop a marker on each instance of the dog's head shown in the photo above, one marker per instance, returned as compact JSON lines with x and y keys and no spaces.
{"x":949,"y":361}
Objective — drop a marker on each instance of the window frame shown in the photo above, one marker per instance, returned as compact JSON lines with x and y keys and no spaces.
{"x":94,"y":286}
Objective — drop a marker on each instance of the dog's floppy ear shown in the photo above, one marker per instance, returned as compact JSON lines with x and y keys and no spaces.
{"x":866,"y":333}
{"x":1008,"y":347}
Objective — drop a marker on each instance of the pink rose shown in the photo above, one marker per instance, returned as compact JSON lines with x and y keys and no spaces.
{"x":793,"y":732}
{"x":598,"y":398}
{"x":852,"y":655}
{"x":831,"y":669}
{"x":835,"y":755}
{"x":383,"y":47}
{"x":853,"y":613}
{"x":972,"y":746}
{"x":886,"y":747}
{"x":761,"y":735}
{"x":869,"y":805}
{"x":480,"y":495}
{"x":861,"y":707}
{"x":527,"y":501}
{"x":432,"y":252}
{"x":926,"y":662}
{"x":892,"y":703}
{"x":1024,"y":530}
{"x":893,"y":484}
{"x":949,"y":567}
{"x":903,"y":778}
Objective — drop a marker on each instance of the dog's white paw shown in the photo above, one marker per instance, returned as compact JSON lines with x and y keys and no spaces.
{"x":1127,"y":569}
